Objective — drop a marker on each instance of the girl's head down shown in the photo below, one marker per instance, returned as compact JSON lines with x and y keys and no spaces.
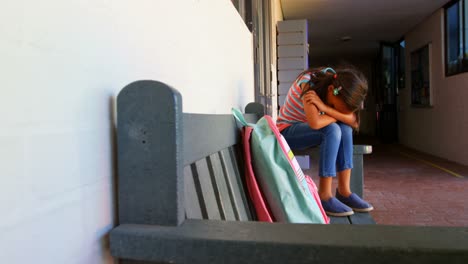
{"x":344,"y":88}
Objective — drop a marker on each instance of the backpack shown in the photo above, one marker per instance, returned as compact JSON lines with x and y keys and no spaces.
{"x":288,"y":195}
{"x":256,"y":196}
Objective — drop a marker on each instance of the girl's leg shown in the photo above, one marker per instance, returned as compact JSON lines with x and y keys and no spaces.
{"x":344,"y":160}
{"x":329,"y":138}
{"x":300,"y":136}
{"x":344,"y":179}
{"x":344,"y":164}
{"x":325,"y":188}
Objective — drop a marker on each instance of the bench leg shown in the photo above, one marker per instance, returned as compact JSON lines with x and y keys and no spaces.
{"x":357,"y":175}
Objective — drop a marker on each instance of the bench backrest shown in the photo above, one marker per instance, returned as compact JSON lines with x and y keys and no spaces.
{"x":174,"y":165}
{"x":213,"y":176}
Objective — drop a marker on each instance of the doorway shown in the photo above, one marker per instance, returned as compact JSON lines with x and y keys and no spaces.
{"x":391,"y":79}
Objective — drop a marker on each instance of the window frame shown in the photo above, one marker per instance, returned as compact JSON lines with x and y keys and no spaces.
{"x":244,"y":8}
{"x":401,"y":64}
{"x":462,"y":65}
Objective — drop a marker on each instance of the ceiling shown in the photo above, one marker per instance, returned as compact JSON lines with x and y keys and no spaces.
{"x":367,"y":22}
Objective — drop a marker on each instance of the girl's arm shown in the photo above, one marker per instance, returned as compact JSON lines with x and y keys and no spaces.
{"x":347,"y":118}
{"x":314,"y":118}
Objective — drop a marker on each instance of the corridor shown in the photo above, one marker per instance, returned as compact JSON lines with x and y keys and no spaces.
{"x":411,"y":188}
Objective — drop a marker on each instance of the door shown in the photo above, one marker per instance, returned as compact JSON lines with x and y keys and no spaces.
{"x":387,"y":95}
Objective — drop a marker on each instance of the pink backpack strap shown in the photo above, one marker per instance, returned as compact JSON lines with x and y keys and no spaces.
{"x":261,"y":208}
{"x":313,"y":189}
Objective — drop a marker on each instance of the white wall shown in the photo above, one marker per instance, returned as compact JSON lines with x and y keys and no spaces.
{"x":62,"y":64}
{"x":441,"y":130}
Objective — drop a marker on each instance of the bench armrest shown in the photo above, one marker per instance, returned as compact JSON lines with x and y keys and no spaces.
{"x":209,"y":241}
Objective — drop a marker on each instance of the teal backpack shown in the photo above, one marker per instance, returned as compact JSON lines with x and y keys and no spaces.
{"x":291,"y":196}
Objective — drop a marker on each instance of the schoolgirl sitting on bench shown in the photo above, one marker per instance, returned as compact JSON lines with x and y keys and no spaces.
{"x":322,"y":108}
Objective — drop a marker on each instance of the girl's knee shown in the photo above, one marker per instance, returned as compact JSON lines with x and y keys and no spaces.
{"x":333,"y":130}
{"x":345,"y":129}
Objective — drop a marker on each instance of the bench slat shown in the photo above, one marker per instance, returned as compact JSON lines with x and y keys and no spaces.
{"x":229,"y":164}
{"x":192,"y":200}
{"x":238,"y":164}
{"x":200,"y":138}
{"x":361,"y":219}
{"x":238,"y":153}
{"x":339,"y":220}
{"x":355,"y":219}
{"x":226,"y":197}
{"x":205,"y":134}
{"x":213,"y":188}
{"x":201,"y":174}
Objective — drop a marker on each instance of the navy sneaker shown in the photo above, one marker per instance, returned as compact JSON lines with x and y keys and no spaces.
{"x":355,"y":202}
{"x":333,"y":207}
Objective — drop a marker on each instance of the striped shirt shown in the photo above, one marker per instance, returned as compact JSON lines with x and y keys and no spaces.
{"x":292,"y":110}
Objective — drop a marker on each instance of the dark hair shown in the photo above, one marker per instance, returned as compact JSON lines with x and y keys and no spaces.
{"x":353,"y":83}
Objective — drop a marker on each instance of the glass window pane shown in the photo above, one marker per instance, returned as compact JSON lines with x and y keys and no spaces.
{"x":465,"y":28}
{"x":461,"y":28}
{"x":453,"y":37}
{"x":388,"y":73}
{"x":401,"y":65}
{"x":403,"y":44}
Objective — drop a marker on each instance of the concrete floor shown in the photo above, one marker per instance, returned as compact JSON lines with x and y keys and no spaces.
{"x":410,"y":188}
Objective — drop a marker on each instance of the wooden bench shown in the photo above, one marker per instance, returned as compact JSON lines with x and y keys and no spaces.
{"x":181,"y":199}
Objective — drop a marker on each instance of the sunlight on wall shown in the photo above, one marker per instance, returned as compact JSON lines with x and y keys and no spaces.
{"x":63,"y":63}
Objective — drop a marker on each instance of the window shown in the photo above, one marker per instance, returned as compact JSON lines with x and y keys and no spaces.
{"x":401,"y":64}
{"x":456,"y":55}
{"x":244,"y":7}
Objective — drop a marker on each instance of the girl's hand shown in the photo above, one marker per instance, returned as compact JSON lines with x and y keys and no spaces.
{"x":311,"y":97}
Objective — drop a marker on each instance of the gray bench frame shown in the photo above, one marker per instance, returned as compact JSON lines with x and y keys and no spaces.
{"x":152,"y":223}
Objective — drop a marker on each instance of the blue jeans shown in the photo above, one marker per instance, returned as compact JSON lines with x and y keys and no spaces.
{"x":335,"y":140}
